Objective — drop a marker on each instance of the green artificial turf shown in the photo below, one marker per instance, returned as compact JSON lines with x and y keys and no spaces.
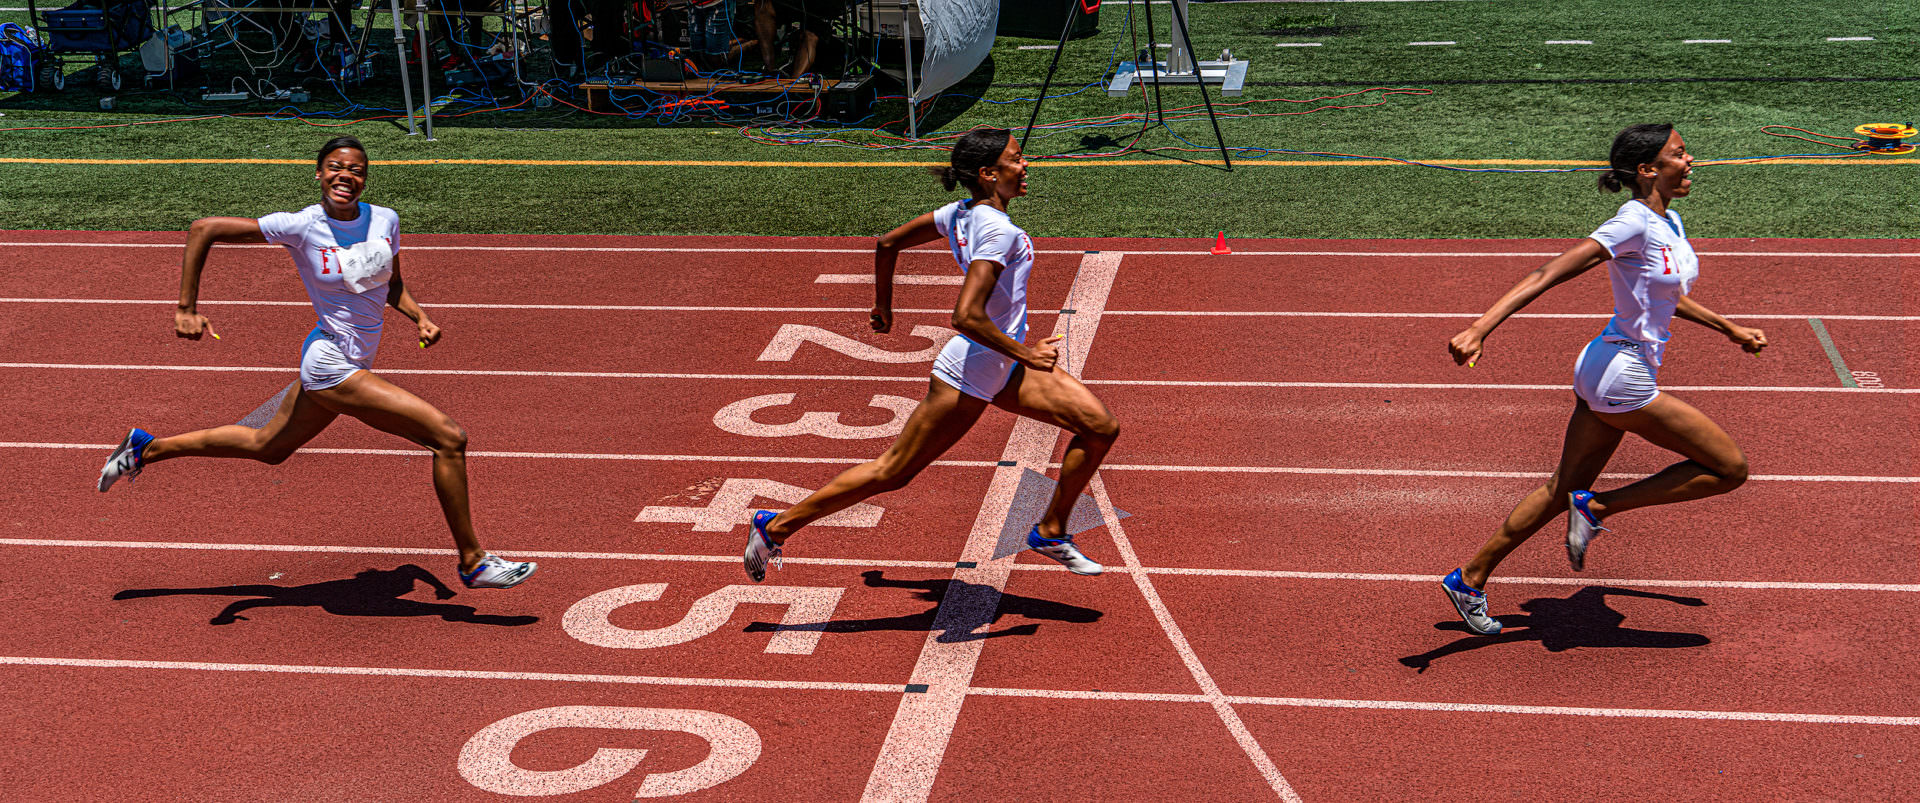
{"x":1499,"y":93}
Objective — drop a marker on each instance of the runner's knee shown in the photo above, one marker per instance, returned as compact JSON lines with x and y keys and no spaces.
{"x":1101,"y":426}
{"x":1733,"y":475}
{"x":449,"y":438}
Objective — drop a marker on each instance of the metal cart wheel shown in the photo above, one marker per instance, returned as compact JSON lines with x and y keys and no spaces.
{"x":52,"y":77}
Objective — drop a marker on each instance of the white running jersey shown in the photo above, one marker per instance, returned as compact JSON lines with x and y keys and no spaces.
{"x":983,"y":232}
{"x":1652,"y":267}
{"x":345,"y":265}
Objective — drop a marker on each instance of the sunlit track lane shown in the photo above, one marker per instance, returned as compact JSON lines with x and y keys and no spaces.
{"x":249,"y":736}
{"x":374,"y":610}
{"x":1838,"y":532}
{"x":508,"y":414}
{"x":1380,"y":755}
{"x":1477,"y":430}
{"x":518,"y":506}
{"x":1756,"y":283}
{"x":1414,"y":351}
{"x":494,"y":340}
{"x":1834,"y":652}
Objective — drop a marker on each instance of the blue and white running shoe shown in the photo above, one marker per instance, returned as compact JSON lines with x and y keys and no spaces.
{"x":761,"y":550}
{"x":1472,"y":605}
{"x":496,"y":572}
{"x":1063,"y":551}
{"x":1582,"y":526}
{"x":127,"y":459}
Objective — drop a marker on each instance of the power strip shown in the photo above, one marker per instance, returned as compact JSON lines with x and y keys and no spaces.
{"x":224,"y":96}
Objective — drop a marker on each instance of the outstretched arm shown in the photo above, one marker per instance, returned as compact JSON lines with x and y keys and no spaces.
{"x":400,"y":299}
{"x":1753,"y":340}
{"x":1467,"y":345}
{"x":917,"y":231}
{"x":187,"y":320}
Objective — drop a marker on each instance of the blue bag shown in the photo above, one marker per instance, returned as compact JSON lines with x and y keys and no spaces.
{"x":19,"y":51}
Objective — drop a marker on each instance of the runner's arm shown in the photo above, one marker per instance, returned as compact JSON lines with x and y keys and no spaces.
{"x":1750,"y":339}
{"x":187,"y":320}
{"x":1467,"y":345}
{"x":401,"y":299}
{"x":886,"y":251}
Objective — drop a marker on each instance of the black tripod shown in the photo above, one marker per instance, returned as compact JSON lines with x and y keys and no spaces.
{"x":1158,"y":116}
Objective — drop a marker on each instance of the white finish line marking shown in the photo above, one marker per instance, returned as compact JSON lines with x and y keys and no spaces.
{"x":1304,"y":702}
{"x":916,"y":742}
{"x":1210,"y":690}
{"x":1258,"y":574}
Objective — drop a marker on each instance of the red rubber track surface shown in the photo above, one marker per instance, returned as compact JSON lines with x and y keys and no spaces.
{"x":1300,"y":460}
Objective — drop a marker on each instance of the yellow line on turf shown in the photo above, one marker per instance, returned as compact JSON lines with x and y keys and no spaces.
{"x":1048,"y":162}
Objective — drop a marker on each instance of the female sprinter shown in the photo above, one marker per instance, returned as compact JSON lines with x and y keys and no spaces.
{"x":347,"y":253}
{"x":988,"y":362}
{"x":1652,"y":266}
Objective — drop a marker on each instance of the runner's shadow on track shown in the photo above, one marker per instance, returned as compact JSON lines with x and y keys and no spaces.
{"x":1582,"y":620}
{"x":374,"y":592}
{"x":974,"y":607}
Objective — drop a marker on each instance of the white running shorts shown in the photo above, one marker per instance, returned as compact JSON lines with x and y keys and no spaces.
{"x":1614,"y":376}
{"x":322,"y":365}
{"x":974,"y":369}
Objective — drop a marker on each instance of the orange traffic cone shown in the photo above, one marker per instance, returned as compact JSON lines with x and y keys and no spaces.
{"x":1220,"y":245}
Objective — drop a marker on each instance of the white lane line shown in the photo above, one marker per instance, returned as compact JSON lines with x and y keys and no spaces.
{"x":900,"y":279}
{"x":1568,"y":42}
{"x":1708,"y":41}
{"x":1208,"y":688}
{"x":1432,"y":44}
{"x":947,"y":311}
{"x":890,"y":688}
{"x":1258,"y":574}
{"x":1187,"y":383}
{"x":1296,"y":44}
{"x":395,"y":671}
{"x":1849,"y":38}
{"x":701,"y":458}
{"x":917,"y":740}
{"x":1407,"y":472}
{"x":1469,"y":254}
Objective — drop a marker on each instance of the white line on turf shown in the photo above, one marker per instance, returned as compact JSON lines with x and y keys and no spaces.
{"x":1208,"y":688}
{"x":1849,"y":38}
{"x":1568,"y":42}
{"x":892,"y":688}
{"x":1708,"y":41}
{"x":1296,"y":44}
{"x":1432,"y":44}
{"x":697,"y":458}
{"x":916,"y":742}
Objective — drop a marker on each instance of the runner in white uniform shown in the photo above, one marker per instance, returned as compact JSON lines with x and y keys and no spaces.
{"x":1616,"y":378}
{"x":348,"y":256}
{"x":988,"y":362}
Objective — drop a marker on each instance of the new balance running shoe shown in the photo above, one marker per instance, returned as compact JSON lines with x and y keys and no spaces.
{"x":1472,"y":605}
{"x":1582,"y":526}
{"x":127,"y":459}
{"x":496,"y":572}
{"x":761,"y":551}
{"x":1063,"y":550}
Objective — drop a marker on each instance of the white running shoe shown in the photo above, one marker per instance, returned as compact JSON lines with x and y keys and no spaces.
{"x":761,"y":551}
{"x":1472,"y":605}
{"x":1063,"y":551}
{"x":1582,"y":526}
{"x":496,"y":572}
{"x":127,"y":459}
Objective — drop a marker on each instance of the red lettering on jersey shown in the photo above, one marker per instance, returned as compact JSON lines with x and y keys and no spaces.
{"x":1666,"y":258}
{"x":324,"y":268}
